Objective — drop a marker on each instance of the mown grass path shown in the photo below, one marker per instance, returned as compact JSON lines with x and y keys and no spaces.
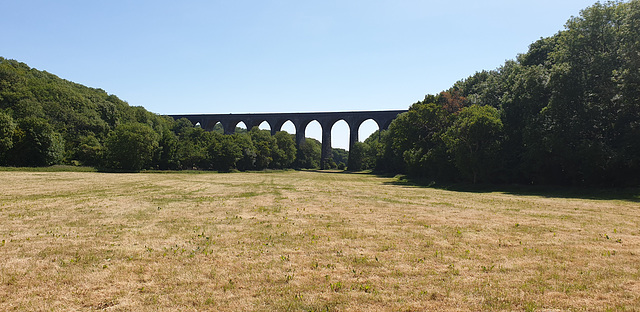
{"x":308,"y":241}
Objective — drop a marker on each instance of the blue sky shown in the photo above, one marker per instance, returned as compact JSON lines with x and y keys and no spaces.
{"x":241,"y":56}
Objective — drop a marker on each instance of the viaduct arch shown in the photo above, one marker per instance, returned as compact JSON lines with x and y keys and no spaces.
{"x":300,"y":120}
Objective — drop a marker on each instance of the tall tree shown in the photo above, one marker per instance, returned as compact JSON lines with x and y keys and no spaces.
{"x":7,"y":128}
{"x":248,"y":156}
{"x":285,"y":154}
{"x":224,"y":152}
{"x":593,"y":109}
{"x":265,"y":147}
{"x":131,"y":146}
{"x":308,"y":155}
{"x":36,"y":143}
{"x":416,"y":139}
{"x":474,"y":139}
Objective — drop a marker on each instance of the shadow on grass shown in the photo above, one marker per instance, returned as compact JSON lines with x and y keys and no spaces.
{"x":382,"y":175}
{"x":630,"y":194}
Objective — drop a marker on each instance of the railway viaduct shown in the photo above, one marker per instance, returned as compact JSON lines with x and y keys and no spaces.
{"x":300,"y":120}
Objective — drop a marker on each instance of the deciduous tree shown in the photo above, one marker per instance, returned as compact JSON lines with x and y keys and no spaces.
{"x":131,"y":146}
{"x":474,"y":140}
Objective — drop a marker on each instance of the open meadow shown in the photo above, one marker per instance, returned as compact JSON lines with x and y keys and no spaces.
{"x":307,"y":241}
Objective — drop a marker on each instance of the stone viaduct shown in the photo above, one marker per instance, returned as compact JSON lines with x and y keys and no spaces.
{"x":300,"y":120}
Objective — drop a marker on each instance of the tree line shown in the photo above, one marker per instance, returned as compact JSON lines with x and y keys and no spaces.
{"x":45,"y":120}
{"x":565,"y":112}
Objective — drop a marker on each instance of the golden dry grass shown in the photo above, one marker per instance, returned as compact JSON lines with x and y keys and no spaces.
{"x":306,"y":241}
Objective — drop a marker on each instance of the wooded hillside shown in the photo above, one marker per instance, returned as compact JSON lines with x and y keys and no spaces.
{"x":565,"y":112}
{"x":46,"y":120}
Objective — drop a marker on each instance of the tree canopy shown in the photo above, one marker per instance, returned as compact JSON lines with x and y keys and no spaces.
{"x":565,"y":112}
{"x":46,"y":120}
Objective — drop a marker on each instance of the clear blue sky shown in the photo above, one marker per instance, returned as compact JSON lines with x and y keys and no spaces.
{"x":240,"y":56}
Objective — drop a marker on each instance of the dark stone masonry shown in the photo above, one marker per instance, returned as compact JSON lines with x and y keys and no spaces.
{"x":300,"y":120}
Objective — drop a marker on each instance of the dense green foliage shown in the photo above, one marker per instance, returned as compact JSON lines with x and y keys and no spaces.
{"x":35,"y":143}
{"x":565,"y":112}
{"x":131,"y":146}
{"x":309,"y":153}
{"x":7,"y":127}
{"x":45,"y":120}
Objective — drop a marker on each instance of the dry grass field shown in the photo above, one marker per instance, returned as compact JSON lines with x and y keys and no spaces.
{"x":306,"y":241}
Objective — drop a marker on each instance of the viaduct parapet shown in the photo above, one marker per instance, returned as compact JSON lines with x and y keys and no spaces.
{"x":300,"y":120}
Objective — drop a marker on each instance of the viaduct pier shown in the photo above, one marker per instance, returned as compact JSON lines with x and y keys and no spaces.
{"x":300,"y":120}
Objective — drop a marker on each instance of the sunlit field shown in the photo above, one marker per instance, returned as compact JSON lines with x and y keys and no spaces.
{"x":307,"y":241}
